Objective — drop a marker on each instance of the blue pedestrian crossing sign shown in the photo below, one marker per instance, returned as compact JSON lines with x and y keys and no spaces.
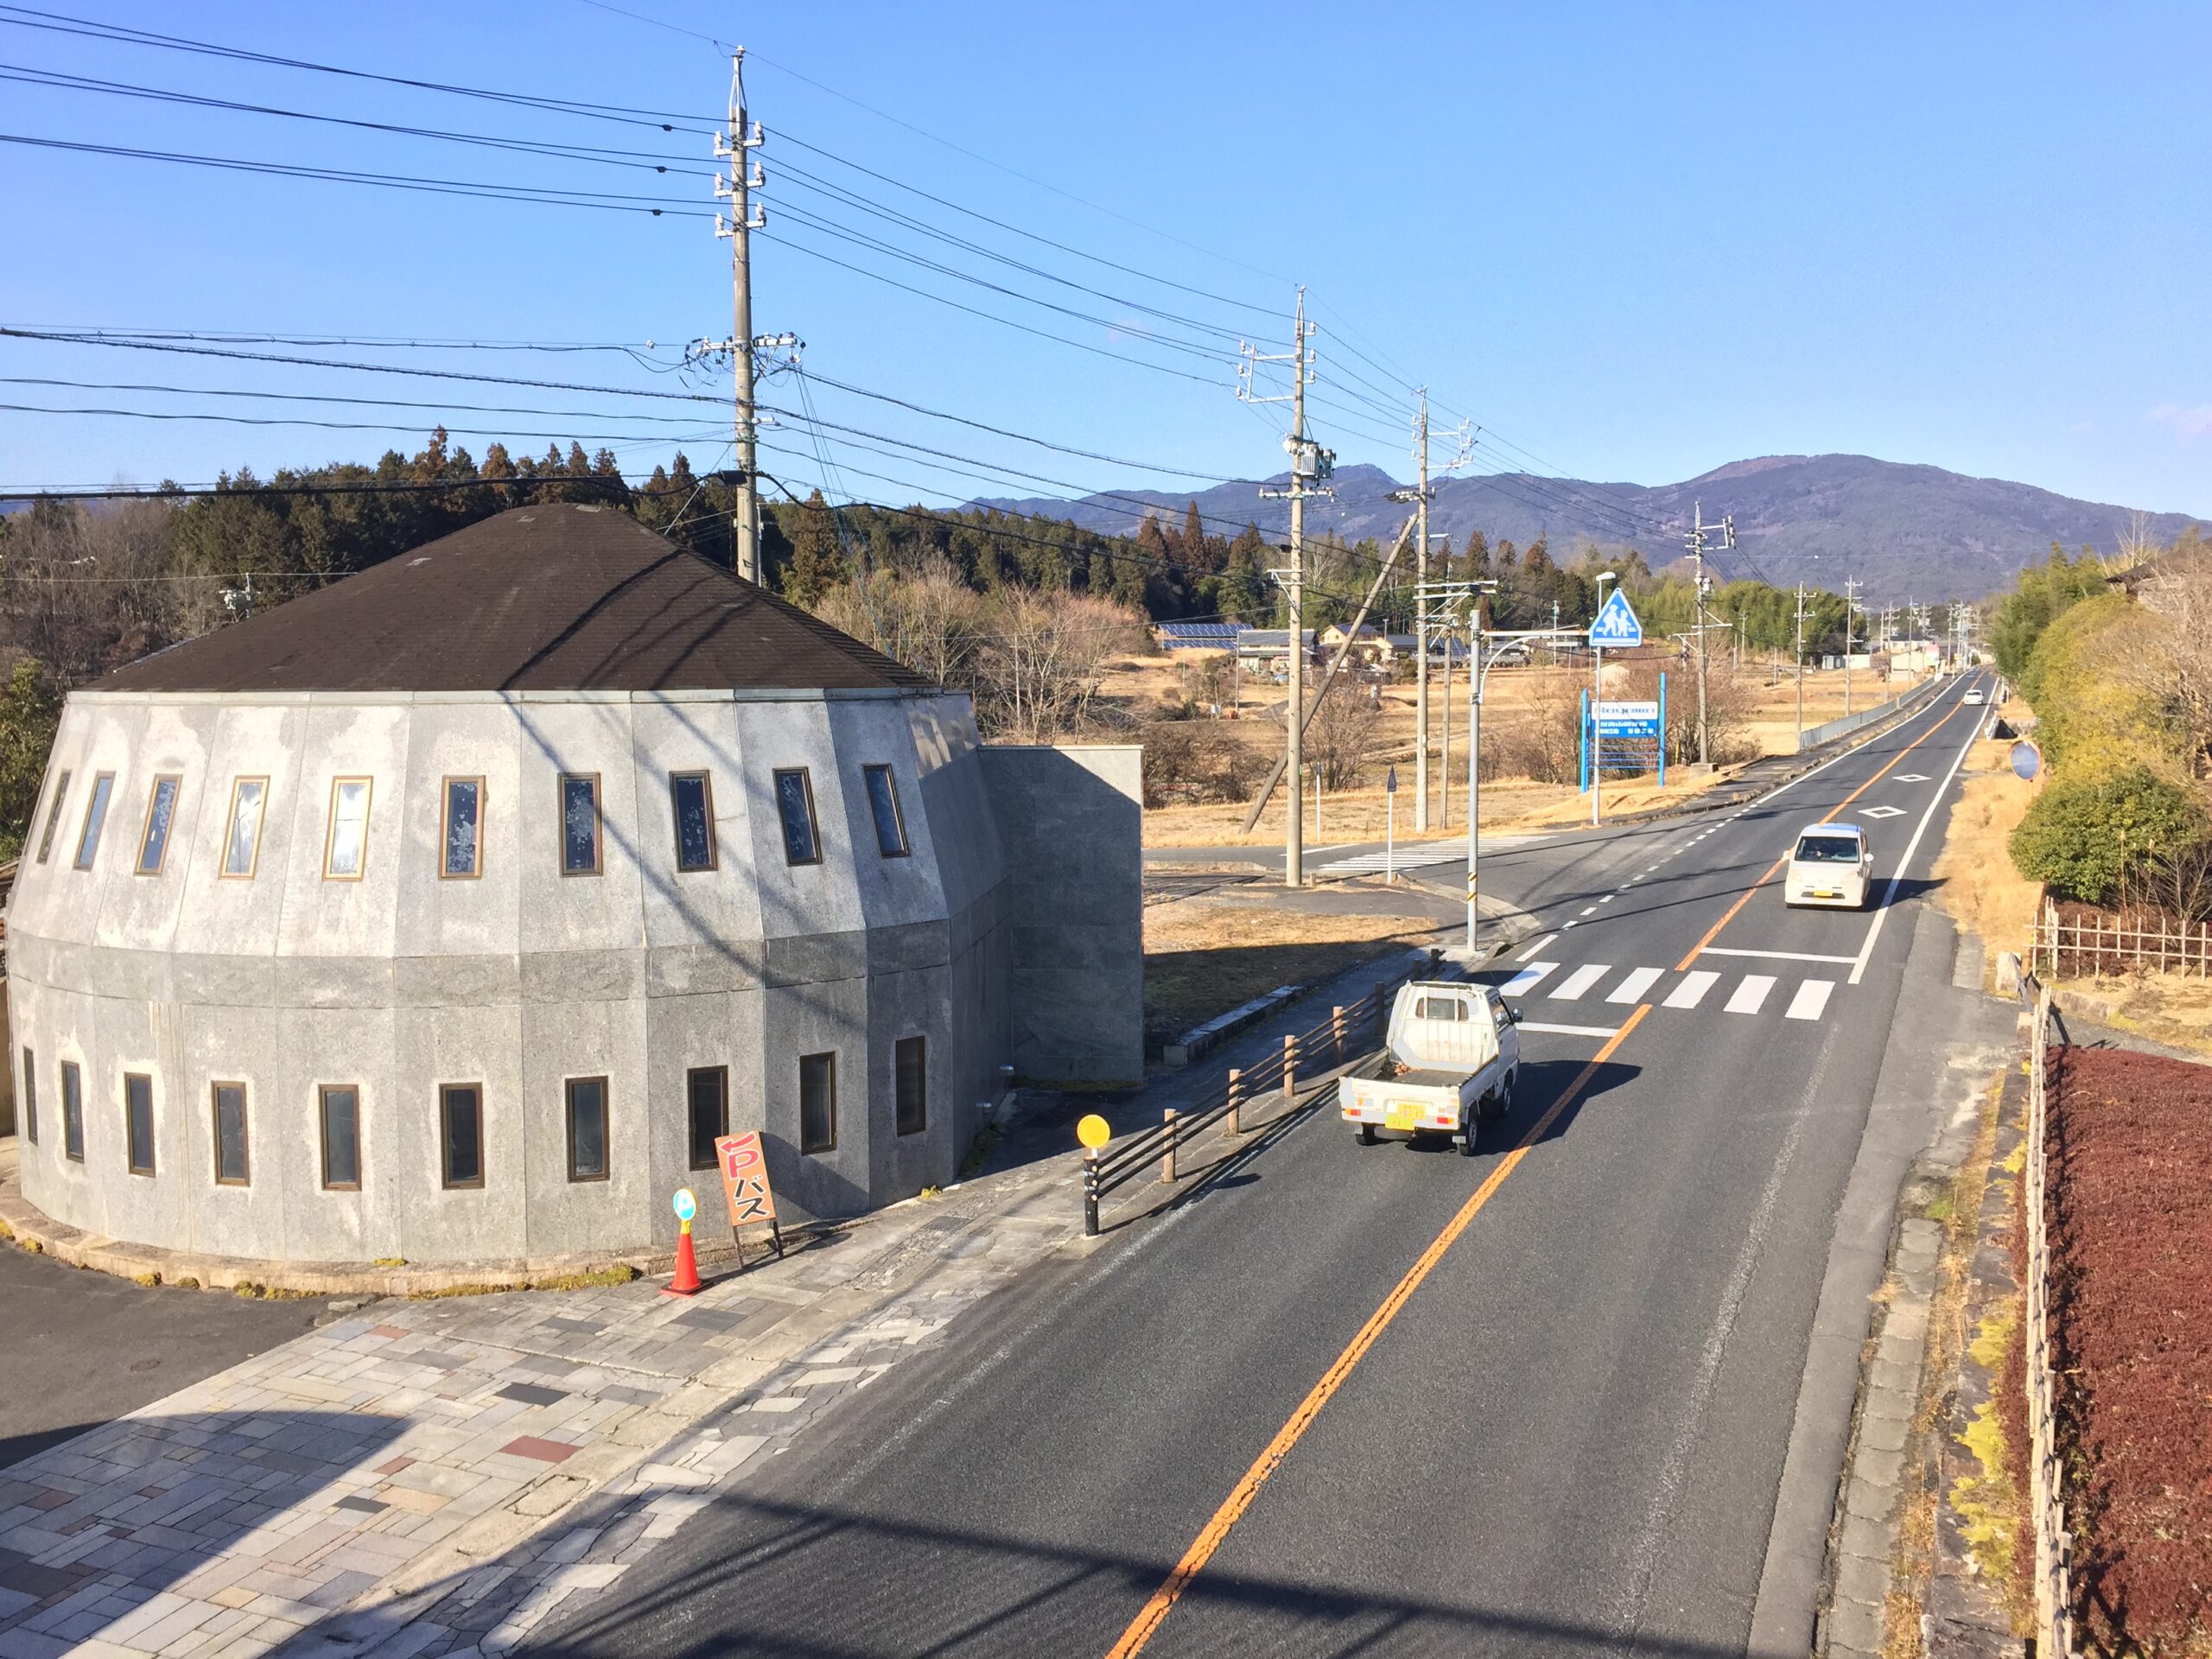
{"x":1617,"y":624}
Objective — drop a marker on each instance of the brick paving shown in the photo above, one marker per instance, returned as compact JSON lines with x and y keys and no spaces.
{"x":436,"y":1477}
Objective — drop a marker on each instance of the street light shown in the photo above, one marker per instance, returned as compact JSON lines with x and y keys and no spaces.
{"x":1597,"y":695}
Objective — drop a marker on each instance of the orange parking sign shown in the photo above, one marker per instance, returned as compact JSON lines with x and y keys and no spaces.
{"x":745,"y":1180}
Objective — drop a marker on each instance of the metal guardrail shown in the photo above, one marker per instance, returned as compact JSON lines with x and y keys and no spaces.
{"x":1328,"y":1046}
{"x":2054,"y":1544}
{"x":1815,"y":736}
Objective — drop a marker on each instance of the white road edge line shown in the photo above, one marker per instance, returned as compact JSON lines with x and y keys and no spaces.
{"x":1889,"y":894}
{"x":1569,"y":1031}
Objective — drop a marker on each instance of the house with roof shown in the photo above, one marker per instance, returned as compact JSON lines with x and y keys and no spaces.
{"x":453,"y":912}
{"x":1196,"y":635}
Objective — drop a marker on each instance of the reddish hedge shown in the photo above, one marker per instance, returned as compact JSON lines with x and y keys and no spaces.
{"x":2131,"y":1237}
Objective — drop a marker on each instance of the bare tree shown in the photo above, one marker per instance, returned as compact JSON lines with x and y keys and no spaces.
{"x":2173,"y":665}
{"x":1041,"y":660}
{"x":1340,"y":735}
{"x":85,"y":590}
{"x":2136,"y":544}
{"x":925,"y":615}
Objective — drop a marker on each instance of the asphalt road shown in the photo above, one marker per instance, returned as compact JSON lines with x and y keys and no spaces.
{"x":1389,"y":1399}
{"x":82,"y":1349}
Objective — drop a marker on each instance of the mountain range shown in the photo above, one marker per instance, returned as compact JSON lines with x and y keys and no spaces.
{"x":1906,"y":532}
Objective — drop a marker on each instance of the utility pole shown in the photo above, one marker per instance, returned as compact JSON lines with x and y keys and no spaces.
{"x":744,"y":219}
{"x":1421,"y":620}
{"x":1850,"y":607}
{"x":1801,"y":666}
{"x":1695,"y":542}
{"x":1309,"y":465}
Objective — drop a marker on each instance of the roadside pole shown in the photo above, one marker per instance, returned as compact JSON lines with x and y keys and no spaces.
{"x":1390,"y":829}
{"x":1474,"y":761}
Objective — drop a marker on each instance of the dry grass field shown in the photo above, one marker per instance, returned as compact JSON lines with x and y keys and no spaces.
{"x":1976,"y":883}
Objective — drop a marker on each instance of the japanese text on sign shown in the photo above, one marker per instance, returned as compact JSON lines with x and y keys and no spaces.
{"x":745,"y":1180}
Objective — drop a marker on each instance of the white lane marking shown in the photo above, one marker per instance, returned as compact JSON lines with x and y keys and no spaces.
{"x":1882,"y":812}
{"x":1889,"y":893}
{"x":1588,"y":909}
{"x":1567,"y":1030}
{"x":1777,"y":956}
{"x":1576,"y":923}
{"x":1691,"y":991}
{"x":1607,"y":899}
{"x":1638,"y":981}
{"x":1856,"y":748}
{"x":1812,"y":996}
{"x":1909,"y":778}
{"x":1624,"y":886}
{"x":1537,"y":947}
{"x":1534,"y":974}
{"x":1747,"y":996}
{"x":1580,"y":981}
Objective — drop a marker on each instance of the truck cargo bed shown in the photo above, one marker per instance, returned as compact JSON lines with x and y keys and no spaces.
{"x":1426,"y":1079}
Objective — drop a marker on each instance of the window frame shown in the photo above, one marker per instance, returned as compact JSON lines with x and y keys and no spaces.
{"x":73,"y":1111}
{"x":95,"y":823}
{"x":446,"y":871}
{"x":215,"y":1088}
{"x":813,"y":818}
{"x":322,"y":1094}
{"x":131,"y":1148}
{"x":445,"y":1092}
{"x":868,"y":774}
{"x":921,"y":1123}
{"x":54,"y":814}
{"x":222,"y":871}
{"x":175,"y":779}
{"x":598,"y":866}
{"x":706,"y":781}
{"x":829,"y":1058}
{"x":606,"y":1129}
{"x":30,"y":1095}
{"x":330,"y":827}
{"x":692,"y":1075}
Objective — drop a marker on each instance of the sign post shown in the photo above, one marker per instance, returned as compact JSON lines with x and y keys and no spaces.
{"x":744,"y":1190}
{"x":1615,"y":624}
{"x":1390,"y":828}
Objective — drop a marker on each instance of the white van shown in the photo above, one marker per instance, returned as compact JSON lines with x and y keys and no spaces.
{"x":1831,"y":864}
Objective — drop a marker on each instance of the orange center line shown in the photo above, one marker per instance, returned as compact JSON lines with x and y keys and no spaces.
{"x":1744,"y":897}
{"x":1217,"y":1530}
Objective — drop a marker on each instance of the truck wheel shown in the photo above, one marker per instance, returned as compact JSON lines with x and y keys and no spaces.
{"x":1467,"y":1146}
{"x":1367,"y":1134}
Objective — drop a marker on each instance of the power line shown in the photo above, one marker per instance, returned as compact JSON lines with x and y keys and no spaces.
{"x":350,"y":426}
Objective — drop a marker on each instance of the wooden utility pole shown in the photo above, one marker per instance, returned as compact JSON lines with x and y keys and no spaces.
{"x":1801,"y":664}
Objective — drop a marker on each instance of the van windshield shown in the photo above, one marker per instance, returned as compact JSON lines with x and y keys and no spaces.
{"x":1828,"y":849}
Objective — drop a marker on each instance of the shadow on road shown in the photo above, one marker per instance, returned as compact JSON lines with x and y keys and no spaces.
{"x":827,"y":1583}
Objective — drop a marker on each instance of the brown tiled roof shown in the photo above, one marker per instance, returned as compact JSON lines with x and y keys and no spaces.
{"x":539,"y":599}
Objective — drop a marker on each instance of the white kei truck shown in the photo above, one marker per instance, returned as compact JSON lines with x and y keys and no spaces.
{"x":1455,"y":1052}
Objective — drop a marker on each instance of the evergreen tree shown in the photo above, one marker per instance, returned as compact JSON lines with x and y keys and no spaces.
{"x":818,"y":562}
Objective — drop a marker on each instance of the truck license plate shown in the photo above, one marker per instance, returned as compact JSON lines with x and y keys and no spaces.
{"x":1403,"y":1114}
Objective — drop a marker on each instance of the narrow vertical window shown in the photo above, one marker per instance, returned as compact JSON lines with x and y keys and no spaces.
{"x":345,"y":851}
{"x":53,"y":816}
{"x":460,"y":1131}
{"x":139,"y":1120}
{"x":795,"y":807}
{"x":587,"y":1128}
{"x":463,"y":840}
{"x":911,"y":1083}
{"x":88,"y":839}
{"x":580,"y":824}
{"x":707,"y":1088}
{"x":883,"y":802}
{"x":72,"y":1112}
{"x":242,"y":841}
{"x":230,"y":1134}
{"x":817,"y":1103}
{"x":30,"y":1096}
{"x":160,"y":813}
{"x":691,"y":795}
{"x":340,"y":1109}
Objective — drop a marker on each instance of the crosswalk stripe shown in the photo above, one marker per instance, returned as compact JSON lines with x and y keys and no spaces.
{"x":1747,"y":996}
{"x":1638,"y":981}
{"x":1528,"y":978}
{"x":1537,"y":948}
{"x":1812,"y":996}
{"x":1580,"y":981}
{"x":1692,"y":990}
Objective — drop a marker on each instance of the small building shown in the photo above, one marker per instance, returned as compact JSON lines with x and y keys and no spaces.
{"x":1367,"y":642}
{"x":451,"y":913}
{"x":1266,"y":651}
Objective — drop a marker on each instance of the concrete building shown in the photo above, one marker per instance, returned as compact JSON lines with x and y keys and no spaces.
{"x":450,"y":911}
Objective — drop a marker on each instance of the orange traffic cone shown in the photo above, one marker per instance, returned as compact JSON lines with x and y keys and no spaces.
{"x":686,"y":1281}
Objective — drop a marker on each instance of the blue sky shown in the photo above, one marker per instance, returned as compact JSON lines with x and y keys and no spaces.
{"x":1636,"y":242}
